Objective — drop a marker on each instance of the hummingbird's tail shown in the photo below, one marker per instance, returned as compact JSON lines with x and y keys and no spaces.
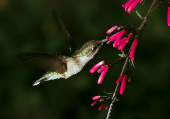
{"x":46,"y":77}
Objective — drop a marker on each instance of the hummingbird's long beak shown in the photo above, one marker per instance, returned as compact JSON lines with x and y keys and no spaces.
{"x":104,"y":40}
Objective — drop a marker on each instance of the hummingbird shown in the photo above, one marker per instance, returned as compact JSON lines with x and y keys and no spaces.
{"x":61,"y":66}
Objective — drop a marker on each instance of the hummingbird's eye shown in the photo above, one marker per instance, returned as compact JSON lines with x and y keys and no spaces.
{"x":95,"y":47}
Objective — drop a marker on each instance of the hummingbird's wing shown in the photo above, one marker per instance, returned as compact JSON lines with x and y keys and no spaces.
{"x":45,"y":61}
{"x":73,"y":47}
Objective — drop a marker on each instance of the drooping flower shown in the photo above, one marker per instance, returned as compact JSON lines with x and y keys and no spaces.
{"x":111,"y":29}
{"x":168,"y":16}
{"x":123,"y":84}
{"x":103,"y":70}
{"x":132,"y":51}
{"x":130,"y":5}
{"x":119,"y":41}
{"x":96,"y":97}
{"x":122,"y":87}
{"x":105,"y":100}
{"x":116,"y":36}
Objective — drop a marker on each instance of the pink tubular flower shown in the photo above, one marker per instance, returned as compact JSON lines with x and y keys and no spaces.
{"x":129,"y":80}
{"x":168,"y":16}
{"x":105,"y":100}
{"x":116,"y":36}
{"x":100,"y":80}
{"x":132,"y":51}
{"x":119,"y":36}
{"x":122,"y":87}
{"x":119,"y":79}
{"x":96,"y":97}
{"x":103,"y":70}
{"x":101,"y":107}
{"x":130,"y":5}
{"x":95,"y":67}
{"x":111,"y":29}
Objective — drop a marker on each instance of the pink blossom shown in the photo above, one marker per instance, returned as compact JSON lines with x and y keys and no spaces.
{"x":132,"y":51}
{"x":95,"y":67}
{"x":130,"y":5}
{"x":103,"y":70}
{"x":100,"y":80}
{"x":101,"y":107}
{"x":93,"y":103}
{"x":129,"y":80}
{"x":122,"y":40}
{"x":111,"y":29}
{"x":119,"y":79}
{"x":168,"y":16}
{"x":119,"y":36}
{"x":106,"y":107}
{"x":112,"y":38}
{"x":122,"y":87}
{"x":96,"y":97}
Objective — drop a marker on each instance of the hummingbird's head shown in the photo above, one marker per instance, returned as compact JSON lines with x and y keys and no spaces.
{"x":90,"y":48}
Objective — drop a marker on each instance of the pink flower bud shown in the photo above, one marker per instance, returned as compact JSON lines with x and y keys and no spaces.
{"x":95,"y":67}
{"x":128,"y":3}
{"x":119,"y":36}
{"x":122,"y":87}
{"x":101,"y":69}
{"x":93,"y":103}
{"x":119,"y":79}
{"x":106,"y":108}
{"x":129,"y":80}
{"x":111,"y":29}
{"x":132,"y":6}
{"x":95,"y":97}
{"x":141,"y":1}
{"x":168,"y":16}
{"x":132,"y":51}
{"x":101,"y":100}
{"x":100,"y":80}
{"x":101,"y":107}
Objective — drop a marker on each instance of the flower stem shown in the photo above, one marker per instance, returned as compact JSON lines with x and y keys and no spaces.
{"x":114,"y":94}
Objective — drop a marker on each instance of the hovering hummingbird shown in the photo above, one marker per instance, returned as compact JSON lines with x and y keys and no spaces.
{"x":60,"y":66}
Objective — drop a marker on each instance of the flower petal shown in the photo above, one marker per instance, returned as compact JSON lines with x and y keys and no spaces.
{"x":111,"y":29}
{"x":95,"y":67}
{"x":101,"y":107}
{"x":132,"y":51}
{"x":122,"y":87}
{"x":96,"y":97}
{"x":100,"y":80}
{"x":120,"y":78}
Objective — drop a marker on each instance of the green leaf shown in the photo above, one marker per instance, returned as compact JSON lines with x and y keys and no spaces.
{"x":122,"y":55}
{"x":139,"y":15}
{"x":132,"y":63}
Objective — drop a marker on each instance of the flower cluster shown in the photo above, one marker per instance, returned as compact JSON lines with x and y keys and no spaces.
{"x":122,"y":87}
{"x":103,"y":70}
{"x":121,"y":42}
{"x":105,"y":99}
{"x":117,"y":38}
{"x":130,"y":5}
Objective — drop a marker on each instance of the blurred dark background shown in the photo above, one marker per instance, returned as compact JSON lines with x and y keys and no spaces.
{"x":28,"y":25}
